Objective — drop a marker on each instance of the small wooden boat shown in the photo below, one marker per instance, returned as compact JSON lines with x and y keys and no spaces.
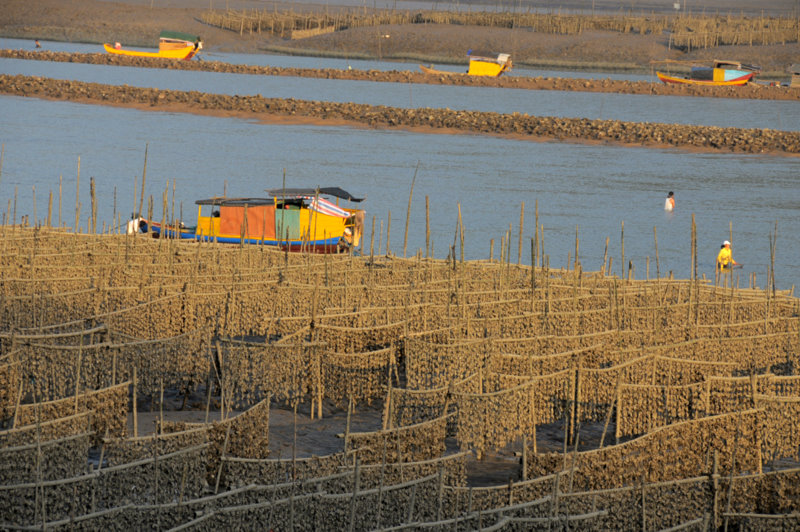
{"x":480,"y":64}
{"x":719,"y":74}
{"x":171,"y":45}
{"x":431,"y":70}
{"x":297,"y":219}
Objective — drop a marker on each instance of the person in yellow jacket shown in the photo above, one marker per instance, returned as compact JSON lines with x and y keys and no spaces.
{"x":725,"y":257}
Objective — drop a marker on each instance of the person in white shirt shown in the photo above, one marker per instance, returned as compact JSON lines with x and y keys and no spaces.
{"x":669,"y":204}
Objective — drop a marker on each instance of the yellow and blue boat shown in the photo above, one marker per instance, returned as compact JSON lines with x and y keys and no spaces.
{"x":294,"y":219}
{"x":719,"y":74}
{"x":171,"y":45}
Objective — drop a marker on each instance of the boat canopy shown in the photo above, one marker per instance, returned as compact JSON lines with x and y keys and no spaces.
{"x":235,"y":202}
{"x":178,"y":36}
{"x":336,"y":192}
{"x":736,"y":65}
{"x":488,"y":56}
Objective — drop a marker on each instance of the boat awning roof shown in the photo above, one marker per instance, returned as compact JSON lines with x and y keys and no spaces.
{"x":721,"y":63}
{"x":179,"y":36}
{"x":336,"y":192}
{"x":235,"y":202}
{"x":488,"y":56}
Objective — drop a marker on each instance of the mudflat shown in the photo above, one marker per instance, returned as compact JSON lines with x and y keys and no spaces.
{"x":138,"y":23}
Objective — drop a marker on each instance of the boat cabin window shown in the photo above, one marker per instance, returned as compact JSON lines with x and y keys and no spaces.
{"x":289,"y":204}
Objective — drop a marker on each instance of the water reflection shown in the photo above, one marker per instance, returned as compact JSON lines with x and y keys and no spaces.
{"x":589,"y":189}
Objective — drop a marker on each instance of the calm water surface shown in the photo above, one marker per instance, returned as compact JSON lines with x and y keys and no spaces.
{"x":591,"y":190}
{"x":722,"y":112}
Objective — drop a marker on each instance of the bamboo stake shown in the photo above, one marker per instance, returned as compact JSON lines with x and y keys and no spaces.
{"x":60,"y":186}
{"x":50,"y":210}
{"x":78,"y":197}
{"x":521,"y":224}
{"x":658,"y":263}
{"x":536,"y":235}
{"x":388,"y":232}
{"x":144,"y":176}
{"x":622,"y":250}
{"x":222,"y":458}
{"x":427,"y":226}
{"x":408,"y":212}
{"x":461,"y":232}
{"x":577,"y":248}
{"x":135,"y":408}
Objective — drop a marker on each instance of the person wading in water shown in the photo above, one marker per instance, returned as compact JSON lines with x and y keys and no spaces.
{"x":669,"y":203}
{"x":725,"y":257}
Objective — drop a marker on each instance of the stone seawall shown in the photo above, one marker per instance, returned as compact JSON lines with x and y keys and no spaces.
{"x":424,"y":119}
{"x":750,"y":91}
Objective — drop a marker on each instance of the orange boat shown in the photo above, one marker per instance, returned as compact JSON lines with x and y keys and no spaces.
{"x":171,"y":45}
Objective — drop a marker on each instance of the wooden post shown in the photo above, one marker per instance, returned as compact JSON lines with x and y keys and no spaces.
{"x":144,"y":177}
{"x":521,"y":225}
{"x":408,"y":212}
{"x":356,"y":479}
{"x":427,"y":226}
{"x":221,"y":458}
{"x":135,"y":409}
{"x":715,"y":491}
{"x":622,"y":250}
{"x":658,"y":263}
{"x":77,"y":198}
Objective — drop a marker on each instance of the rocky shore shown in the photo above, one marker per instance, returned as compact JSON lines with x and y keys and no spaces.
{"x":516,"y":125}
{"x":750,"y":91}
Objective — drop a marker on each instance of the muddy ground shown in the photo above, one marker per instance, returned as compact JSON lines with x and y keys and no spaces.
{"x":138,"y":23}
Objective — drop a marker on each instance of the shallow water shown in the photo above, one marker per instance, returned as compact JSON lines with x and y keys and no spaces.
{"x":591,"y":189}
{"x":784,"y":115}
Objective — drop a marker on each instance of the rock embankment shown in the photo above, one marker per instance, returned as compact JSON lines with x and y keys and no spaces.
{"x":750,"y":91}
{"x":444,"y":120}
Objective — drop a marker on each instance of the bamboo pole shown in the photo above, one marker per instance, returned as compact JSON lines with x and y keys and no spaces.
{"x":658,"y":263}
{"x":78,"y":197}
{"x":521,"y":225}
{"x":144,"y":177}
{"x":408,"y":211}
{"x":135,"y":408}
{"x":427,"y":226}
{"x":622,"y":250}
{"x":388,"y":232}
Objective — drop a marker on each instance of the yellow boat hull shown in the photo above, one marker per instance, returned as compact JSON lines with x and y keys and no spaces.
{"x":431,"y":70}
{"x":685,"y":81}
{"x":186,"y":52}
{"x":485,"y":68}
{"x":476,"y":68}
